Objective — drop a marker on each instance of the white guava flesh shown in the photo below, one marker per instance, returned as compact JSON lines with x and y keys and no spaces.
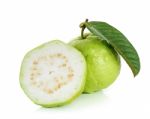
{"x":53,"y":74}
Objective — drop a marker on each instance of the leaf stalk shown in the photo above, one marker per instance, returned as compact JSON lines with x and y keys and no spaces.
{"x":83,"y":26}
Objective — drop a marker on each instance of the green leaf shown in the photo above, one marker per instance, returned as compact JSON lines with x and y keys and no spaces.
{"x":115,"y":38}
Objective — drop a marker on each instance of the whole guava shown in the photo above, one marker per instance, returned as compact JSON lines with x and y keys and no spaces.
{"x":103,"y":62}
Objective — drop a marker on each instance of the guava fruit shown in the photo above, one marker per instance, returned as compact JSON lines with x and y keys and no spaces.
{"x":53,"y":74}
{"x":103,"y":62}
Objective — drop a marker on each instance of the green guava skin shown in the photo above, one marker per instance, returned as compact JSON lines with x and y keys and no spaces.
{"x":103,"y":62}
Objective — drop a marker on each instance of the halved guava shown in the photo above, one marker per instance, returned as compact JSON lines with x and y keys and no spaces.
{"x":53,"y":74}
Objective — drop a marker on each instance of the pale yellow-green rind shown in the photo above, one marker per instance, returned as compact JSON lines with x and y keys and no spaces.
{"x":56,"y":103}
{"x":103,"y":62}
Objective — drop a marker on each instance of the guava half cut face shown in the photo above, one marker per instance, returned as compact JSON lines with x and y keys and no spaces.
{"x":53,"y":74}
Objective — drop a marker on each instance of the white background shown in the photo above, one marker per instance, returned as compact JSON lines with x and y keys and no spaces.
{"x":25,"y":24}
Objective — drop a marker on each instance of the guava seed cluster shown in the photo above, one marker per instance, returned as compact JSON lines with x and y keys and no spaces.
{"x":49,"y":62}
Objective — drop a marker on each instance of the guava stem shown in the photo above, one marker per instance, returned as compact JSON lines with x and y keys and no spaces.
{"x":82,"y":26}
